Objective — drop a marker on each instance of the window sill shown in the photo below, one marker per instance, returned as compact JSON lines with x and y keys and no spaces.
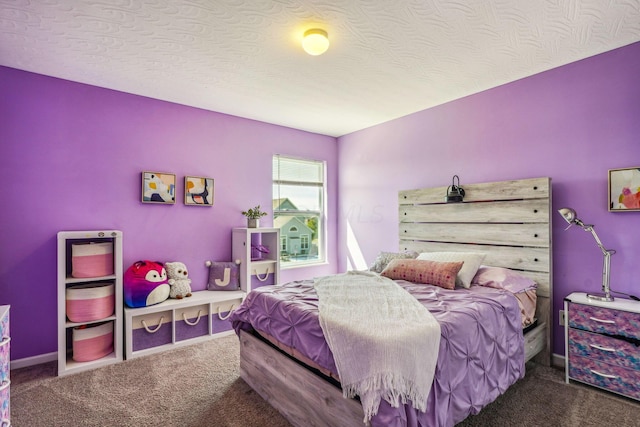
{"x":302,"y":265}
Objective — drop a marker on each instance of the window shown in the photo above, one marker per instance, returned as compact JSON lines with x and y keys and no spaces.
{"x":298,"y":210}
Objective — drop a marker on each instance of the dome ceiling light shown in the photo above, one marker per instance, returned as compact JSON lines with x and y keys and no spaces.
{"x":315,"y":41}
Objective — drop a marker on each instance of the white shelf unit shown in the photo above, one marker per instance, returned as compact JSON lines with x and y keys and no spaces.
{"x":177,"y":322}
{"x":256,"y":272}
{"x":66,"y":364}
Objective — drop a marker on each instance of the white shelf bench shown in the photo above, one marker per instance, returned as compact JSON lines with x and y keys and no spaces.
{"x":178,"y":322}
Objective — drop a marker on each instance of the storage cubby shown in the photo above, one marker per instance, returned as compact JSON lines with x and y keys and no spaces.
{"x":177,"y":322}
{"x":257,"y":268}
{"x":90,"y":291}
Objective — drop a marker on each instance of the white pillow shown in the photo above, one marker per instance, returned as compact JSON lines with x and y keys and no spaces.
{"x":472,"y":262}
{"x":385,"y":258}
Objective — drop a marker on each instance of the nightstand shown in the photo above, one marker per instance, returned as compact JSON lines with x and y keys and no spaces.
{"x":602,"y":342}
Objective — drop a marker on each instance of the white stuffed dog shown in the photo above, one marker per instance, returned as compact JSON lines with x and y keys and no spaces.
{"x":178,"y":280}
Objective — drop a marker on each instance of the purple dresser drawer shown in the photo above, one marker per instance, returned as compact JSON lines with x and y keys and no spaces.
{"x":614,"y":378}
{"x":221,"y":313}
{"x":262,"y":274}
{"x":604,"y":320}
{"x":604,"y":349}
{"x":5,"y":344}
{"x":220,"y":325}
{"x":5,"y":399}
{"x":151,"y":330}
{"x":191,"y":322}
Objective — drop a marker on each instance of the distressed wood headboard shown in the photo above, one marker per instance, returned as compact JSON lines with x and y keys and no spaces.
{"x":510,"y":221}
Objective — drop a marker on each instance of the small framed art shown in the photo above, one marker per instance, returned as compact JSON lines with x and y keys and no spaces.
{"x":198,"y":191}
{"x":158,"y":187}
{"x":624,"y":189}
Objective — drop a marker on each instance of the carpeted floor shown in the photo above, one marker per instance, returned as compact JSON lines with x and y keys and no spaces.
{"x":199,"y":386}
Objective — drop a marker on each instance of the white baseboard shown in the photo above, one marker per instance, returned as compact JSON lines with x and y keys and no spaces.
{"x":557,"y":360}
{"x":34,"y":360}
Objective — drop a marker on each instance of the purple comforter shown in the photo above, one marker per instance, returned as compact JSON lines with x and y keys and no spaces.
{"x":481,"y":350}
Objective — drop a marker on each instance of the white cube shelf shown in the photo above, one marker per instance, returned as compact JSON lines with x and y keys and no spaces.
{"x":66,"y":239}
{"x":177,"y":322}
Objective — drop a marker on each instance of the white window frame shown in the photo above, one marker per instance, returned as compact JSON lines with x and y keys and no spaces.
{"x":321,"y":213}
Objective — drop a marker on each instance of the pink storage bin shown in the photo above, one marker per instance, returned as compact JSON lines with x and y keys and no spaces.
{"x":92,"y":260}
{"x":92,"y":342}
{"x":90,"y":301}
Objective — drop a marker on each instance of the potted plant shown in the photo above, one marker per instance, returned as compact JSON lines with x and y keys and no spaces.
{"x":253,"y":216}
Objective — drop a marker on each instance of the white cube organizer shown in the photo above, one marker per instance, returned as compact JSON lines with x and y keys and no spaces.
{"x":257,"y":268}
{"x":176,"y":322}
{"x":92,"y":342}
{"x":89,"y":294}
{"x":90,"y":301}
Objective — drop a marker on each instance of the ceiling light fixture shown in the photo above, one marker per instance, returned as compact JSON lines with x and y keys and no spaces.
{"x":315,"y":41}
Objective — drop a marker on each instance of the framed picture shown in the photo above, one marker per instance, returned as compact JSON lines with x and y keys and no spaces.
{"x":624,"y":189}
{"x":158,"y":187}
{"x":198,"y":191}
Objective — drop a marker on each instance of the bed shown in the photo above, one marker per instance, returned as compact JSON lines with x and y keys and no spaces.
{"x":509,"y":223}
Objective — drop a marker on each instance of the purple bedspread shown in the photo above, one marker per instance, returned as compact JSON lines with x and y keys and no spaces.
{"x":481,"y":350}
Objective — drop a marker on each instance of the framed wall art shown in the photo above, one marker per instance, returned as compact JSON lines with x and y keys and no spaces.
{"x":198,"y":191}
{"x":158,"y":187}
{"x":624,"y":189}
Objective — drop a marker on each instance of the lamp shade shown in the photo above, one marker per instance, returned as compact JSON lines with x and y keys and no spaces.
{"x":315,"y":41}
{"x":455,"y":193}
{"x":568,"y":214}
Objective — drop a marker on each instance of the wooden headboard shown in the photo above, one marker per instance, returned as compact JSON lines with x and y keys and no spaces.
{"x":510,"y":221}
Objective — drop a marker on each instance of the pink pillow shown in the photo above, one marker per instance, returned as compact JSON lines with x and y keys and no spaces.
{"x":503,"y":278}
{"x":441,"y":274}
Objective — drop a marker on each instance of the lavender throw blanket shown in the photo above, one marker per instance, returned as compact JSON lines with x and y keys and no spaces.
{"x":384,"y":342}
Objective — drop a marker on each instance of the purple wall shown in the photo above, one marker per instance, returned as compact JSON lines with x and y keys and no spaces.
{"x":572,"y":124}
{"x":72,"y":155}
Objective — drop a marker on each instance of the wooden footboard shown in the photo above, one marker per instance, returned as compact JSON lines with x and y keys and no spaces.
{"x":301,"y":396}
{"x":306,"y":399}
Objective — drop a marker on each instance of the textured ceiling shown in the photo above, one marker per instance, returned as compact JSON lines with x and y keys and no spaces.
{"x":387,"y":59}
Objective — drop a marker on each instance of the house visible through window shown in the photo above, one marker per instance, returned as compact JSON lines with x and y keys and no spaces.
{"x":298,"y":210}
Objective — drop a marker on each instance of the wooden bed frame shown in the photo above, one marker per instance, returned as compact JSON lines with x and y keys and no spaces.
{"x":509,"y":221}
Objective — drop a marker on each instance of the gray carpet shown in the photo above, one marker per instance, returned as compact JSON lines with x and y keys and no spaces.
{"x":199,"y":386}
